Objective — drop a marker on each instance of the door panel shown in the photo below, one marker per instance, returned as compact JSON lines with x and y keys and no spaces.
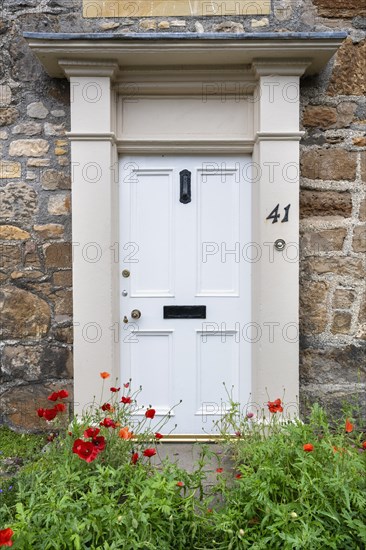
{"x":186,"y":254}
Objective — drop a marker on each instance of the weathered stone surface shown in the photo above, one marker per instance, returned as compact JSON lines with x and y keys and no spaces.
{"x":341,"y":323}
{"x":148,"y":24}
{"x":348,"y":76}
{"x":10,"y":256}
{"x":359,"y":239}
{"x":59,"y":205}
{"x":19,"y":404}
{"x":228,"y":26}
{"x":18,"y":202}
{"x":27,"y":274}
{"x":27,"y":128}
{"x":343,"y":298}
{"x":62,"y":278}
{"x":108,"y":26}
{"x":318,"y":116}
{"x":37,"y":110}
{"x":3,"y":134}
{"x":362,"y":213}
{"x":9,"y":169}
{"x":313,"y":242}
{"x":333,"y":365}
{"x":363,"y":165}
{"x":22,"y":362}
{"x":58,"y":113}
{"x":31,"y":255}
{"x":38,"y":162}
{"x":28,"y":148}
{"x":49,"y":230}
{"x":24,"y":315}
{"x":332,"y":397}
{"x":12,"y":233}
{"x":256,"y":23}
{"x":313,"y":310}
{"x":58,"y":255}
{"x":5,"y":95}
{"x":198,"y":27}
{"x":344,"y":266}
{"x":54,"y":129}
{"x":316,"y":203}
{"x":62,"y":302}
{"x":329,"y":164}
{"x":8,"y":115}
{"x":164,"y":25}
{"x":340,"y":8}
{"x":345,"y":114}
{"x":65,"y":335}
{"x":54,"y":179}
{"x":359,"y":141}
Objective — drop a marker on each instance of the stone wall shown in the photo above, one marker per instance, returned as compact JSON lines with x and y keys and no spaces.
{"x":35,"y":224}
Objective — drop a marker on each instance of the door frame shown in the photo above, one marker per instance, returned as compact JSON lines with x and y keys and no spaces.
{"x":269,"y":67}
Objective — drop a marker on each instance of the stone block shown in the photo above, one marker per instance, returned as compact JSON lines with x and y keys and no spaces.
{"x":38,"y":162}
{"x":54,"y":179}
{"x":333,"y":365}
{"x":65,"y":335}
{"x":359,"y":141}
{"x":49,"y":230}
{"x":315,"y":203}
{"x":343,"y":266}
{"x":348,"y":77}
{"x":9,"y":169}
{"x":8,"y":115}
{"x":27,"y":128}
{"x":362,"y":212}
{"x":62,"y":302}
{"x":62,"y":278}
{"x":329,"y":164}
{"x":328,"y":240}
{"x":229,"y":26}
{"x":18,"y":202}
{"x":29,"y":148}
{"x":58,"y":255}
{"x":37,"y":110}
{"x":13,"y":233}
{"x":343,"y":298}
{"x":359,"y":239}
{"x":363,"y":166}
{"x":24,"y":315}
{"x":313,"y":307}
{"x":341,"y":323}
{"x":318,"y":116}
{"x":10,"y":256}
{"x":5,"y":95}
{"x":340,"y":9}
{"x":59,"y":205}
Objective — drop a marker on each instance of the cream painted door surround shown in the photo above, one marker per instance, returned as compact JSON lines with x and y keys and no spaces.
{"x":190,"y":95}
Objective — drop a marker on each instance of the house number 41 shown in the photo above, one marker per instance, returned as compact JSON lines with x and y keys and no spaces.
{"x":274,"y":215}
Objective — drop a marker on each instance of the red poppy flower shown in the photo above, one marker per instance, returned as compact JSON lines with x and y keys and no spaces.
{"x":107,"y":407}
{"x":150,"y":413}
{"x":127,"y":385}
{"x":104,"y":375}
{"x":60,"y":407}
{"x":238,"y":434}
{"x":364,"y":445}
{"x":50,"y":414}
{"x":5,"y":537}
{"x":62,"y":394}
{"x":308,"y":447}
{"x":158,"y":436}
{"x":275,"y":406}
{"x":91,"y":432}
{"x":99,"y":443}
{"x":135,"y":458}
{"x":115,"y":390}
{"x":108,"y":423}
{"x":219,"y":470}
{"x":40,"y":412}
{"x":85,"y":450}
{"x":53,"y":396}
{"x":126,"y":400}
{"x":238,"y":476}
{"x":349,"y":427}
{"x":250,"y":415}
{"x":180,"y":484}
{"x":149,"y":452}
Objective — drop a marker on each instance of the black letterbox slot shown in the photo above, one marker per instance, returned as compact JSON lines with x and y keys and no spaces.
{"x":184,"y":312}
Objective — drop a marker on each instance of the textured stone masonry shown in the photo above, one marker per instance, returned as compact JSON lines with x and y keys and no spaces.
{"x":35,"y":199}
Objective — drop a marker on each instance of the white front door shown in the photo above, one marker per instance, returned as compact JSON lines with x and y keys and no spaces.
{"x":185,"y":241}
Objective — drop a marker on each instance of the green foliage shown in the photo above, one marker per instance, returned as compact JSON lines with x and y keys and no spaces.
{"x":19,"y":445}
{"x":276,"y":495}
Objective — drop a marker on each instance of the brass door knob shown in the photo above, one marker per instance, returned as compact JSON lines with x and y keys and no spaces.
{"x":135,"y":314}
